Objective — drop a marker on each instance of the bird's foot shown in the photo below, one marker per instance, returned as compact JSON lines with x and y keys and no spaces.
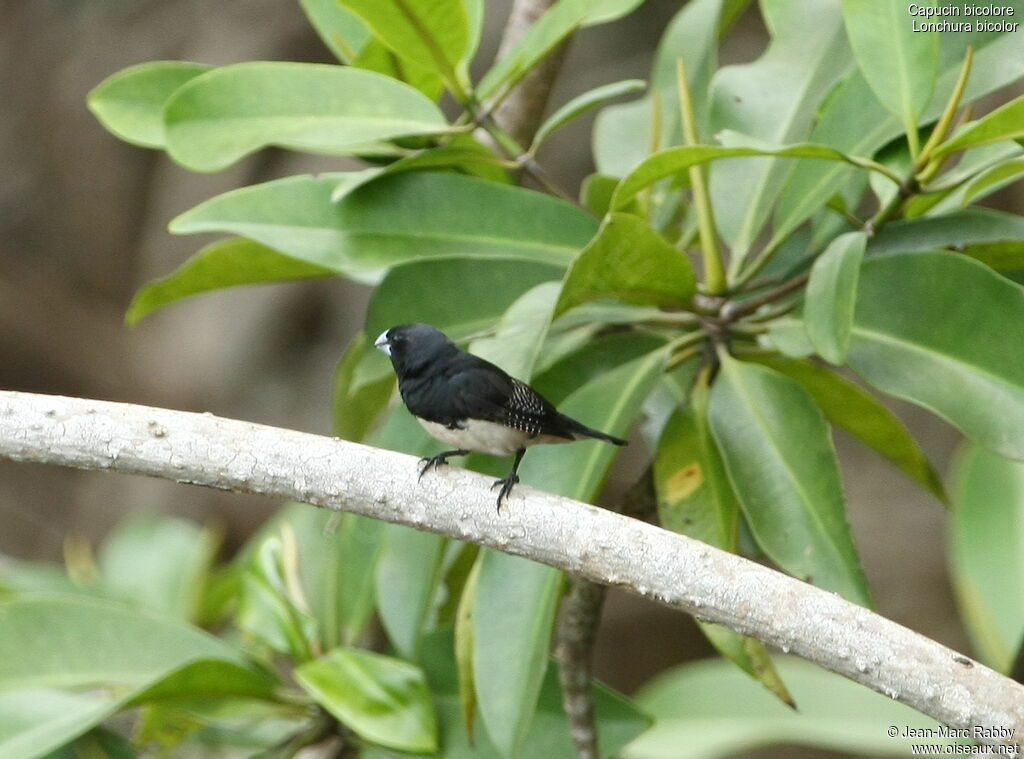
{"x":506,"y":487}
{"x":433,"y":462}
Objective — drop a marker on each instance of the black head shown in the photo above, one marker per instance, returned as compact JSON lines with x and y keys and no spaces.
{"x":412,"y":346}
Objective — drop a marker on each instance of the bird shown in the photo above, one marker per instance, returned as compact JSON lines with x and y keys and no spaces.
{"x":471,"y":404}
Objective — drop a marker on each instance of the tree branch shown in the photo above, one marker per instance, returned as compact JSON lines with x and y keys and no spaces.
{"x":523,"y":110}
{"x":597,"y":544}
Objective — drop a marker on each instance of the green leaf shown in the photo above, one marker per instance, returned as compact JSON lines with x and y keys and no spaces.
{"x":945,"y":193}
{"x":98,"y":743}
{"x":583,"y":103}
{"x":853,"y":121}
{"x":623,"y":133}
{"x":464,"y":651}
{"x":604,"y":11}
{"x":1002,"y":256}
{"x":546,"y":33}
{"x":36,"y":577}
{"x":407,"y":576}
{"x":475,"y":15}
{"x":226,"y":263}
{"x":74,"y":641}
{"x":609,"y":402}
{"x":548,"y":737}
{"x":732,"y":716}
{"x":694,"y":494}
{"x":208,"y":678}
{"x":381,"y":699}
{"x":376,"y":56}
{"x":772,"y":99}
{"x":351,"y":587}
{"x":416,"y":215}
{"x":342,"y":31}
{"x":236,"y":729}
{"x":212,"y":121}
{"x":622,"y":136}
{"x":123,"y":655}
{"x":273,"y":606}
{"x":362,"y":388}
{"x":696,"y":499}
{"x":519,"y":336}
{"x":956,"y":229}
{"x":130,"y":104}
{"x":832,"y":295}
{"x":916,"y":336}
{"x":1004,"y":123}
{"x":987,"y":552}
{"x":402,"y":298}
{"x":465,"y":154}
{"x":401,"y":432}
{"x":34,"y":722}
{"x":515,"y":599}
{"x":859,"y":413}
{"x":513,"y":614}
{"x":898,"y":62}
{"x":750,"y":655}
{"x":628,"y":261}
{"x":782,"y":465}
{"x":672,"y":161}
{"x":336,"y":566}
{"x":995,"y":178}
{"x":591,"y":357}
{"x":789,"y":337}
{"x":596,"y":194}
{"x":158,"y":562}
{"x":432,"y":33}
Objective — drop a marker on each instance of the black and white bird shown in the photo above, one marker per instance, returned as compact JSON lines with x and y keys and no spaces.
{"x":471,"y":404}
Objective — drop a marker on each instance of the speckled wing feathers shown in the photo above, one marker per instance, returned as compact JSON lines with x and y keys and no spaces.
{"x":487,"y":392}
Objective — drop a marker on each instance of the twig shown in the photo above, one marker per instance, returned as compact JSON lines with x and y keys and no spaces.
{"x":594,"y":543}
{"x":735,"y":309}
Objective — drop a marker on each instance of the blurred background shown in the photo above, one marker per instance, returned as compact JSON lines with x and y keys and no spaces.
{"x":83,"y":224}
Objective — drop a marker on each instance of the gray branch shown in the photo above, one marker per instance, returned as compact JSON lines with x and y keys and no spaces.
{"x":599,"y":545}
{"x":522,"y":111}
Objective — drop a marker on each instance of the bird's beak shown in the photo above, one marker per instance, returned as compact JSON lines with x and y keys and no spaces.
{"x":382,"y":344}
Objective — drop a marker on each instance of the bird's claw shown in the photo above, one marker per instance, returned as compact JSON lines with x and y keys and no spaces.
{"x":433,"y":462}
{"x":506,"y":488}
{"x":430,"y":462}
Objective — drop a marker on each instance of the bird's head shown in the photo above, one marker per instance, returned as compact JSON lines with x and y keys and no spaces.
{"x":410,"y":346}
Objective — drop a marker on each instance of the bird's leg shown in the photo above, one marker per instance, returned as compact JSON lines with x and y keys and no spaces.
{"x":512,"y":479}
{"x":433,"y":462}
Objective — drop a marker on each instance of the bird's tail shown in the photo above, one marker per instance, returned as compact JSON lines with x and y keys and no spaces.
{"x":579,"y":430}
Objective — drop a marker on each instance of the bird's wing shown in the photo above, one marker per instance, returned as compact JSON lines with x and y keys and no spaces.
{"x":488,"y":393}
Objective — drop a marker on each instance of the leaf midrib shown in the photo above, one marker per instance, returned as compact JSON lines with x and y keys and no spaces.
{"x":886,"y":337}
{"x":512,"y":243}
{"x":776,"y":449}
{"x":643,"y":369}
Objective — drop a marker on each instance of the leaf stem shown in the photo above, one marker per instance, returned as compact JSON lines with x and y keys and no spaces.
{"x":924,"y":163}
{"x":714,"y":269}
{"x":523,"y":159}
{"x":759,"y":261}
{"x":737,"y":309}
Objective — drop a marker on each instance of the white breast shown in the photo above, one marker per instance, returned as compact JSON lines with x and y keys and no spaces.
{"x":486,"y":437}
